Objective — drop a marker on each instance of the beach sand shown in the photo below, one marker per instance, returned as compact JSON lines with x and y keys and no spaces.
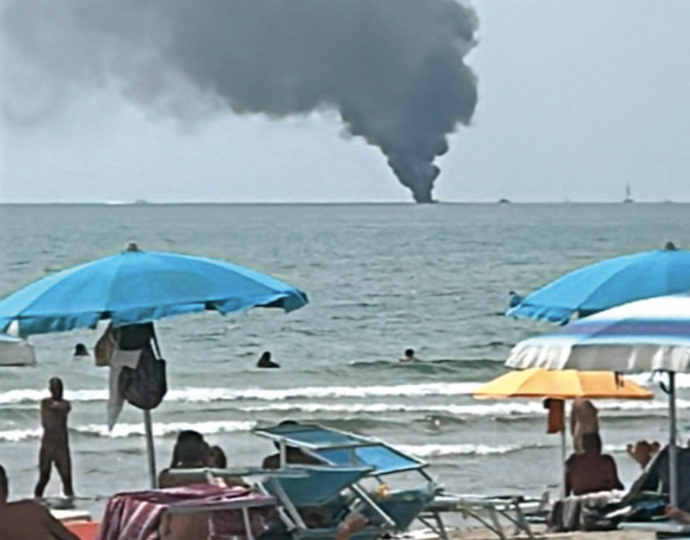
{"x":485,"y":534}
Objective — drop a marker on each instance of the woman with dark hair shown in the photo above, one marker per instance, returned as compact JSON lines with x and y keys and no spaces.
{"x":190,"y":452}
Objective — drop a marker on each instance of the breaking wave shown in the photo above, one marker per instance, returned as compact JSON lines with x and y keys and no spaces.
{"x":135,"y":430}
{"x":206,"y":395}
{"x":439,"y":450}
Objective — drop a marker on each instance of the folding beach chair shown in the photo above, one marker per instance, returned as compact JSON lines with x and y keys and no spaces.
{"x":426,"y":504}
{"x":320,"y":492}
{"x":491,"y":512}
{"x":655,"y":480}
{"x":340,"y":449}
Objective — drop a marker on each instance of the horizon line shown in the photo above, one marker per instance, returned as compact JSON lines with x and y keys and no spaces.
{"x":501,"y":202}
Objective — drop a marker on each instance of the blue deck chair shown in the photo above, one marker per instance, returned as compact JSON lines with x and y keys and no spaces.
{"x":342,"y":450}
{"x":317,"y":488}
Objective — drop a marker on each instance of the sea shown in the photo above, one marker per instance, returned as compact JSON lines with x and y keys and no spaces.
{"x":380,"y":278}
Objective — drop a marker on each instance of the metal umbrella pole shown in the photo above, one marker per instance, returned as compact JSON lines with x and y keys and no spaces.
{"x":564,"y":480}
{"x":150,"y":449}
{"x":672,"y":448}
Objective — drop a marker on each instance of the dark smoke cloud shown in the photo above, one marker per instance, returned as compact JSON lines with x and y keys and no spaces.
{"x":393,"y":69}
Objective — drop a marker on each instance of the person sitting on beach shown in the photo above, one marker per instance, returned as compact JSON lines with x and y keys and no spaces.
{"x":217,"y":459}
{"x":294,"y":456}
{"x":27,"y":520}
{"x":643,"y":452}
{"x":190,"y":452}
{"x":81,"y":350}
{"x":266,"y":362}
{"x":409,"y":356}
{"x":583,"y":420}
{"x":591,"y":471}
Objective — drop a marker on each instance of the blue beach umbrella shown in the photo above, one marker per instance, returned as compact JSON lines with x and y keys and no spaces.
{"x":643,"y":336}
{"x":135,"y":287}
{"x":607,"y":284}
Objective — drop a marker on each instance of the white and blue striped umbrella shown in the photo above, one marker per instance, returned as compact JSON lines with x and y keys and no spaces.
{"x":647,"y":335}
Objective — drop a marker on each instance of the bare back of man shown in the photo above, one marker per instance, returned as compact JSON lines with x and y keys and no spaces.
{"x":591,"y":471}
{"x":55,"y":441}
{"x":584,"y":419}
{"x":28,"y":520}
{"x":591,"y":474}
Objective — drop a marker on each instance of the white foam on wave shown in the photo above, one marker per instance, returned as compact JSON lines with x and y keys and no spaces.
{"x":16,"y":435}
{"x":208,"y":395}
{"x":438,"y":450}
{"x":136,"y":430}
{"x":495,"y":409}
{"x":26,"y":395}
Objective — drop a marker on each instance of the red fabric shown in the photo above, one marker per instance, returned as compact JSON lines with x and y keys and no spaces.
{"x":85,"y":530}
{"x":137,"y":515}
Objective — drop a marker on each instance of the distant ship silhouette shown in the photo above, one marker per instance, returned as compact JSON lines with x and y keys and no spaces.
{"x":503,"y":201}
{"x":628,"y":197}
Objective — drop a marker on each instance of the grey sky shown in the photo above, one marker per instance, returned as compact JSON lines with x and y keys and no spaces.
{"x":576,"y":98}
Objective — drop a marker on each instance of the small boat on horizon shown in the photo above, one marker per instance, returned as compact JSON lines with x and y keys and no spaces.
{"x":628,"y":196}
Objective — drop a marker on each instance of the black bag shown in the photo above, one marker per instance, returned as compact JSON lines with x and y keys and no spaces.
{"x":146,"y":385}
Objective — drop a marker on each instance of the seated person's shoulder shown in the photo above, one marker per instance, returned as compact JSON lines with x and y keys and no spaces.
{"x":572,"y":460}
{"x":27,"y":506}
{"x":35,"y":521}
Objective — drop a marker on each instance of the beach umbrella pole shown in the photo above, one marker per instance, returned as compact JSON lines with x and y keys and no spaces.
{"x":150,"y":450}
{"x":563,"y":459}
{"x":672,"y":448}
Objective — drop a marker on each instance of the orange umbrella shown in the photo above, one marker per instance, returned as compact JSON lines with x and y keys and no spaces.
{"x":568,"y":384}
{"x":561,"y":385}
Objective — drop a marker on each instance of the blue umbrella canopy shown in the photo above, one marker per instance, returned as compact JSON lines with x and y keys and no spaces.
{"x":607,"y":284}
{"x":137,"y":287}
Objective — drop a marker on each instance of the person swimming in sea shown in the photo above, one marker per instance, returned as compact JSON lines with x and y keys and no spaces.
{"x":80,"y":350}
{"x":409,"y":356}
{"x":266,"y":362}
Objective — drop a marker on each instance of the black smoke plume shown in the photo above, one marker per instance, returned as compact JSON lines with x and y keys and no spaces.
{"x":393,"y":69}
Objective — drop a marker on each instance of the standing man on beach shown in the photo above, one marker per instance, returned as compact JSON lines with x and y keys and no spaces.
{"x":55,"y":441}
{"x":584,"y":419}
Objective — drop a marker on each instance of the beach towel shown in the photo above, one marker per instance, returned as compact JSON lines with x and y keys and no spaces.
{"x":138,"y":515}
{"x":118,"y":361}
{"x":584,"y":512}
